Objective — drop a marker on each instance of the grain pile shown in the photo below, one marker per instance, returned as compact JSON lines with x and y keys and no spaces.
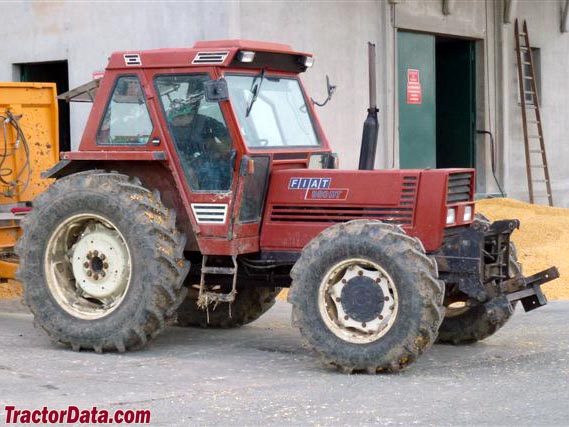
{"x":11,"y":289}
{"x":542,"y":241}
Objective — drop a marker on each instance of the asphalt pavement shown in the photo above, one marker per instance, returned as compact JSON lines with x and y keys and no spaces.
{"x":262,"y":375}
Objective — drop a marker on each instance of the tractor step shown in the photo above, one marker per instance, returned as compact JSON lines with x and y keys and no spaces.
{"x":230,"y":271}
{"x":206,"y":297}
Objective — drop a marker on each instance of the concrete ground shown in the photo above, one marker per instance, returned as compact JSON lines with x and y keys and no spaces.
{"x":261,"y":375}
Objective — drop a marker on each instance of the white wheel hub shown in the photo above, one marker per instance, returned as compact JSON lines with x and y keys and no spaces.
{"x":344,"y":318}
{"x":88,"y":266}
{"x":101,"y":263}
{"x":358,"y":301}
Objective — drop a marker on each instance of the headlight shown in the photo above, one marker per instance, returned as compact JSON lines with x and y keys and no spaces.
{"x":451,"y":216}
{"x":307,"y":61}
{"x":246,"y":56}
{"x":467,"y":213}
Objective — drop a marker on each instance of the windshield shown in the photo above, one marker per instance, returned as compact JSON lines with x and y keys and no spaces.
{"x":277,"y":118}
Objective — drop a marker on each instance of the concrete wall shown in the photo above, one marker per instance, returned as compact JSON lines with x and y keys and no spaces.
{"x":86,"y":33}
{"x":337,"y":33}
{"x":544,"y":21}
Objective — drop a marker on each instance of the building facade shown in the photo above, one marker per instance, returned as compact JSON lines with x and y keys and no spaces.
{"x":446,"y":69}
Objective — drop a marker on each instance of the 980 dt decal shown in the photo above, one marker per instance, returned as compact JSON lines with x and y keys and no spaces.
{"x":318,"y":188}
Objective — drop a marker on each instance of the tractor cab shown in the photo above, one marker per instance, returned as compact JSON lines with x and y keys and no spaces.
{"x":221,"y":115}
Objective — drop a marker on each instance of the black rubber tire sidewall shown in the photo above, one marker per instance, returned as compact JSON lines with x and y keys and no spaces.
{"x":52,"y":317}
{"x":405,"y":338}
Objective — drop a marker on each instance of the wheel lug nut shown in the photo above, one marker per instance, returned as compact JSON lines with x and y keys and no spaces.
{"x":344,"y":281}
{"x":89,"y":255}
{"x":364,"y":324}
{"x":96,"y":253}
{"x":361,"y":273}
{"x":338,"y":300}
{"x":102,"y":273}
{"x":380,"y":317}
{"x":378,"y":280}
{"x":105,"y":265}
{"x":102,"y":256}
{"x":346,"y":317}
{"x":96,"y":277}
{"x":89,"y":273}
{"x":386,"y":298}
{"x":86,"y":264}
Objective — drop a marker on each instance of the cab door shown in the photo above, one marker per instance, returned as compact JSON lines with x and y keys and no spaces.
{"x":201,"y":147}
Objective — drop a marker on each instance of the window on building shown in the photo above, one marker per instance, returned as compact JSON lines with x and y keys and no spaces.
{"x":126,"y":120}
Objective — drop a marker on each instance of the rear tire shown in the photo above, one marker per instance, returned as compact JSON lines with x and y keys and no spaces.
{"x":473,"y":324}
{"x":366,"y":297}
{"x":249,"y":305}
{"x":101,"y":262}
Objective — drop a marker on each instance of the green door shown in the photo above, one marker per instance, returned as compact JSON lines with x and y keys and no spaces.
{"x":417,"y":100}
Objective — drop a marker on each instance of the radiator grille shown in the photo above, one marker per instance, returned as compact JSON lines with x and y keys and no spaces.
{"x":459,"y":187}
{"x":409,"y":191}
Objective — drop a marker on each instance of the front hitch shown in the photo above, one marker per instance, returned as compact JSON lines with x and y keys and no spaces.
{"x":476,"y":261}
{"x":528,"y":289}
{"x":517,"y":288}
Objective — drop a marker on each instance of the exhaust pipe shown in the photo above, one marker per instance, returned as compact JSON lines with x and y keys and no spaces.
{"x":371,"y":124}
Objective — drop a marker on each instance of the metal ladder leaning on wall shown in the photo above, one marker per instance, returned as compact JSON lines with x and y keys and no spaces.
{"x":530,"y":101}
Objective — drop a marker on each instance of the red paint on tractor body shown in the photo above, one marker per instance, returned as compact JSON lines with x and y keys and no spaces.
{"x":416,"y":199}
{"x":410,"y":198}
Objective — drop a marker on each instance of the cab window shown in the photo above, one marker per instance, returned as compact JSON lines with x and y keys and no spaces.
{"x":198,"y":130}
{"x":126,"y":120}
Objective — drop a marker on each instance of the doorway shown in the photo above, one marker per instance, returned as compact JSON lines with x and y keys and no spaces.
{"x":52,"y":72}
{"x":437,"y":101}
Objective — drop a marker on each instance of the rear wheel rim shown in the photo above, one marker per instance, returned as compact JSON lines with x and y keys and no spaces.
{"x":358,"y":301}
{"x":88,"y":266}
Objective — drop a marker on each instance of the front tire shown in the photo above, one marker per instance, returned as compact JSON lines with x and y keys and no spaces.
{"x":101,"y":262}
{"x":366,"y":297}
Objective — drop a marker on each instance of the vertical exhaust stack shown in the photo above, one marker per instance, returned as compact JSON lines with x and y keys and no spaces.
{"x":371,"y":124}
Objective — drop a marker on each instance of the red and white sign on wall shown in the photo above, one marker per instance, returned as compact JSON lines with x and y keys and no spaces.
{"x":414,"y":94}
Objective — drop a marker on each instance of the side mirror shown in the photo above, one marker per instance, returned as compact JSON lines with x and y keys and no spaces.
{"x":330,"y":89}
{"x":216,"y":90}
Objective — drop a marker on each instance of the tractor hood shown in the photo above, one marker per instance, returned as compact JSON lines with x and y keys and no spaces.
{"x":301,"y":202}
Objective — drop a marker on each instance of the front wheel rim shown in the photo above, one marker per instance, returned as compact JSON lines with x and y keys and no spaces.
{"x":88,"y":266}
{"x":358,"y":301}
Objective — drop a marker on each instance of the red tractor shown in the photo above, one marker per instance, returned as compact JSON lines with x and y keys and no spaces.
{"x":213,"y":156}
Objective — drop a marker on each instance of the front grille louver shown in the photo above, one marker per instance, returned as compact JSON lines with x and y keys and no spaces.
{"x":459,"y":187}
{"x":340,"y":214}
{"x":209,"y":213}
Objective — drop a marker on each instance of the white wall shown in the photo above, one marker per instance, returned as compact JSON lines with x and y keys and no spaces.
{"x":86,"y":33}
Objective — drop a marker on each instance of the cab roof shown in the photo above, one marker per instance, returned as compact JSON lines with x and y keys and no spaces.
{"x":220,"y":53}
